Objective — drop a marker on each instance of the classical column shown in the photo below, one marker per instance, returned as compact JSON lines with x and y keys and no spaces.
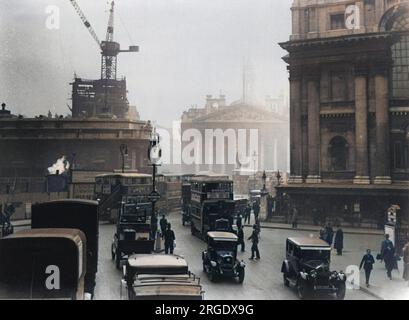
{"x":313,"y":128}
{"x":361,"y":127}
{"x":295,"y":127}
{"x":382,"y":174}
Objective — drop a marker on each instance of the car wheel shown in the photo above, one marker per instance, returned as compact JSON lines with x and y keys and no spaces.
{"x":112,"y":252}
{"x":285,"y":279}
{"x":212,"y":276}
{"x":341,"y":289}
{"x":302,"y":290}
{"x":192,"y":229}
{"x":241,"y":275}
{"x":118,"y":259}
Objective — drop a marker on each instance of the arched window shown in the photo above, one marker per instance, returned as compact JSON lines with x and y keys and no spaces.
{"x":397,"y":20}
{"x":338,"y":154}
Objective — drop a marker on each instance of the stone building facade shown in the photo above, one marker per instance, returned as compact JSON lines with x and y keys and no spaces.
{"x":269,"y":122}
{"x":29,"y":146}
{"x":348,"y":65}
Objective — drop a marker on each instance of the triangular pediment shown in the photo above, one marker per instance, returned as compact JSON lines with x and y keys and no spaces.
{"x":242,"y":113}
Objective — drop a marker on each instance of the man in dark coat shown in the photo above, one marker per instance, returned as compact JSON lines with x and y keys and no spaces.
{"x":256,"y":210}
{"x":247,"y":213}
{"x":240,"y":236}
{"x":329,"y":234}
{"x":239,"y":221}
{"x":367,"y":262}
{"x":339,"y":241}
{"x":388,"y":255}
{"x":294,"y":218}
{"x":254,"y":247}
{"x":169,"y":240}
{"x":163,"y":224}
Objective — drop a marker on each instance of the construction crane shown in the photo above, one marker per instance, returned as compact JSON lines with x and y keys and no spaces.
{"x":109,"y":48}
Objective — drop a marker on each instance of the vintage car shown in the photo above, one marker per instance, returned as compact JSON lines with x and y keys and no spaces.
{"x":220,"y":258}
{"x":132,"y":232}
{"x":32,"y":259}
{"x":159,"y":277}
{"x":307,"y":267}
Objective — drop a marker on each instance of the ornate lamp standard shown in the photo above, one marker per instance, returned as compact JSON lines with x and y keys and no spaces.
{"x":155,"y":155}
{"x":264,"y":178}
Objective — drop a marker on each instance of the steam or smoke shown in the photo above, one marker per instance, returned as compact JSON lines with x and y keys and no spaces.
{"x":61,"y":166}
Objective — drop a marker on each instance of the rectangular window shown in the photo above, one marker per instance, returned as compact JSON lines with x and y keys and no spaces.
{"x":338,"y":86}
{"x":310,"y":20}
{"x":400,"y":69}
{"x":337,"y":21}
{"x":397,"y":154}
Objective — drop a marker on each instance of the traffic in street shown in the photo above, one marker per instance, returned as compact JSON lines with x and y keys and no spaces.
{"x":263,"y":279}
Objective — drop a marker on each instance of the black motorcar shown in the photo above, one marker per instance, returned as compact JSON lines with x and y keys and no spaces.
{"x":132,"y":233}
{"x":307,"y":267}
{"x":220,"y":258}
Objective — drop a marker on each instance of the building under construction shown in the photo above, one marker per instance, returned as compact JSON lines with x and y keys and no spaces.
{"x":89,"y":140}
{"x":103,"y":98}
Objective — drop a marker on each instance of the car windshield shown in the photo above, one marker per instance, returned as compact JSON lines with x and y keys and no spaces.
{"x":224,"y":245}
{"x":321,"y":255}
{"x":135,"y":213}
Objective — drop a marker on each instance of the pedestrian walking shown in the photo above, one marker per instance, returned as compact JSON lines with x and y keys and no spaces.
{"x":388,"y":255}
{"x":255,"y":253}
{"x":329,"y":234}
{"x":240,"y":236}
{"x":406,"y":262}
{"x":367,"y":262}
{"x":247,"y":214}
{"x":163,"y":224}
{"x":239,"y":223}
{"x":169,"y":240}
{"x":294,"y":218}
{"x":339,"y":241}
{"x":256,"y":210}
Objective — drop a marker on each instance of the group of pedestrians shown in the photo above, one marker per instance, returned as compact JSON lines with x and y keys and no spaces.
{"x":255,"y":235}
{"x":387,"y":253}
{"x":389,"y":257}
{"x":167,"y":234}
{"x":333,"y":238}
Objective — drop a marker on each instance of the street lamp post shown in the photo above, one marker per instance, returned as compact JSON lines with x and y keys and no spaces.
{"x":155,"y":155}
{"x":264,"y":177}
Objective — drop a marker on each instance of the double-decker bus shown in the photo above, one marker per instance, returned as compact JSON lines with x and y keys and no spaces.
{"x":118,"y":190}
{"x":211,"y":204}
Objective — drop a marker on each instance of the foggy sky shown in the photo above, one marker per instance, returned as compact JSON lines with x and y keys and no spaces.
{"x":189,"y":48}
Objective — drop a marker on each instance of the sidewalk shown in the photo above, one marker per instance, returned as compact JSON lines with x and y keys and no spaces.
{"x":347,"y":230}
{"x":383,"y":288}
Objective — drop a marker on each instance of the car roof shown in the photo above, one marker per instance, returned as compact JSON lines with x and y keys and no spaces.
{"x":72,"y":234}
{"x":153,"y":263}
{"x":63,"y":201}
{"x":306,"y":242}
{"x":222,"y":236}
{"x":124,"y":175}
{"x":207,"y":178}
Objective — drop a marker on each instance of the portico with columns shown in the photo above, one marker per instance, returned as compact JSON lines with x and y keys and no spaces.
{"x":349,"y":111}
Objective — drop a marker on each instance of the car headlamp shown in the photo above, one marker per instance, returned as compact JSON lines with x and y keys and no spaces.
{"x":213,"y":263}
